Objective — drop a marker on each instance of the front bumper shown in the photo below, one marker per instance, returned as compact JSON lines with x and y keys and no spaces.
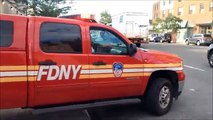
{"x":180,"y":86}
{"x":181,"y":80}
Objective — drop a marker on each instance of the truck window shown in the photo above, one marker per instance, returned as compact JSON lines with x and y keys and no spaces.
{"x":106,"y":42}
{"x":60,"y":38}
{"x":6,"y":33}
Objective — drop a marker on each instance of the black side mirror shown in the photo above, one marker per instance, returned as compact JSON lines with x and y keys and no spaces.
{"x":132,"y":49}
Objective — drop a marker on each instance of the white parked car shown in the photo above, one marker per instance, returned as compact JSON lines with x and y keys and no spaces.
{"x":151,"y":37}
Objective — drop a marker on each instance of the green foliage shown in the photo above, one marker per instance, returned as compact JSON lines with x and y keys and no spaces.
{"x":45,"y":7}
{"x":105,"y":18}
{"x":156,"y":25}
{"x":170,"y":23}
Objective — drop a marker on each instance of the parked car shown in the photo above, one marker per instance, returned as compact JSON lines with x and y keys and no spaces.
{"x":167,"y":37}
{"x":151,"y":37}
{"x":158,"y":39}
{"x":210,"y":55}
{"x":199,"y":39}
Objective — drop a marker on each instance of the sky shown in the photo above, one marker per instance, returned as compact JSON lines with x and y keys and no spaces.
{"x":112,"y":6}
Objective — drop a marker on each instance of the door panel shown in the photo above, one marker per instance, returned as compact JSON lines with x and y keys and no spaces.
{"x":59,"y":56}
{"x":113,"y":73}
{"x":13,"y":77}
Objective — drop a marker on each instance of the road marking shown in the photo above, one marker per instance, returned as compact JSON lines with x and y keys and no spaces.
{"x":193,"y":90}
{"x":194,"y":68}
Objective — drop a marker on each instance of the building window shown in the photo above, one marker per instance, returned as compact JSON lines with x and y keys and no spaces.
{"x":164,"y":13}
{"x":179,"y":0}
{"x":211,"y":6}
{"x":106,"y":42}
{"x":191,"y":9}
{"x":121,"y":19}
{"x":170,"y":11}
{"x":203,"y":30}
{"x":60,"y":38}
{"x":164,"y":2}
{"x":180,"y":11}
{"x":201,"y":7}
{"x":6,"y":33}
{"x":170,"y":1}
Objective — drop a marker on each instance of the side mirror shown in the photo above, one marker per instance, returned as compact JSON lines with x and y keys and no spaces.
{"x":132,"y":49}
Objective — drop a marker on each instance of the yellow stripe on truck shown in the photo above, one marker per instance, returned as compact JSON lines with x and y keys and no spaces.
{"x":7,"y":68}
{"x":16,"y":79}
{"x":13,"y":68}
{"x":13,"y":79}
{"x":161,"y":65}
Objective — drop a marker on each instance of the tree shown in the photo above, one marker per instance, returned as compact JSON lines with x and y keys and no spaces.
{"x":157,"y":25}
{"x":105,"y":18}
{"x":170,"y":23}
{"x":44,"y":7}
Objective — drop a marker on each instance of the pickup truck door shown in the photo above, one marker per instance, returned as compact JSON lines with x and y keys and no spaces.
{"x":59,"y":56}
{"x":113,"y":73}
{"x":13,"y":63}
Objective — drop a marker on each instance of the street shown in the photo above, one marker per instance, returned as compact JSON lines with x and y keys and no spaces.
{"x":194,"y":103}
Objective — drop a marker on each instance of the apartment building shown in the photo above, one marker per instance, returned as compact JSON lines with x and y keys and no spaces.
{"x":156,"y":11}
{"x":10,"y":7}
{"x":197,"y":15}
{"x":197,"y":12}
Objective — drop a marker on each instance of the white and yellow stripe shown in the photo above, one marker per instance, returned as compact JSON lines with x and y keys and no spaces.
{"x":29,"y":73}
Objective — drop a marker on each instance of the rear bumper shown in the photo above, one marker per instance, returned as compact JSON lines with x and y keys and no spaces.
{"x":207,"y":41}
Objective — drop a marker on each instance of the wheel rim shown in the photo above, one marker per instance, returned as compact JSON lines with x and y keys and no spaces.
{"x":211,"y":59}
{"x":198,"y":43}
{"x":164,"y":97}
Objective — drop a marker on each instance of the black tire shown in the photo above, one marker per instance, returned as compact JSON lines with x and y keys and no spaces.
{"x":152,"y":100}
{"x":187,"y":42}
{"x":169,"y":41}
{"x":210,"y":59}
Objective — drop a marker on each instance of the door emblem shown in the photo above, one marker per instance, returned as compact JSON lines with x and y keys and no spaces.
{"x":117,"y":69}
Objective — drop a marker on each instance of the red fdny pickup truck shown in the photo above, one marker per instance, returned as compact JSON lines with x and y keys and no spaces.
{"x":53,"y":61}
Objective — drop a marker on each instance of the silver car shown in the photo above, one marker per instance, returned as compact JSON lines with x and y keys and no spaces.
{"x":199,"y":39}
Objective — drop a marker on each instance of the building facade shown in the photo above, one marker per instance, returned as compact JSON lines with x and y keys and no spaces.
{"x":156,"y":11}
{"x":197,"y":15}
{"x":9,"y":7}
{"x":198,"y":12}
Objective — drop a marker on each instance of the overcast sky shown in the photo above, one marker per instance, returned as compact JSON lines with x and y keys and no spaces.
{"x":112,"y":6}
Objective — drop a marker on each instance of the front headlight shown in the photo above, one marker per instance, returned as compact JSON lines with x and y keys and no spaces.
{"x":182,"y":64}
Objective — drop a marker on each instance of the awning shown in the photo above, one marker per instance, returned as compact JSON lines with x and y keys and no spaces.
{"x":183,"y":23}
{"x":186,"y":24}
{"x":190,"y":25}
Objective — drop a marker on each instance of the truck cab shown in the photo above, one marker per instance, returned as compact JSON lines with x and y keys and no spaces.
{"x":54,"y":61}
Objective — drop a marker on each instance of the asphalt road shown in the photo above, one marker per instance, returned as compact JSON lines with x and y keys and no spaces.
{"x":194,"y":103}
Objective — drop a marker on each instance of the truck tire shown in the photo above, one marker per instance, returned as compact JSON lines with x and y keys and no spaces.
{"x":210,"y":59}
{"x":159,"y":96}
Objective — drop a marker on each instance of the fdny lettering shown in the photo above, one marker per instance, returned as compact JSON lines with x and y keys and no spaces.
{"x":54,"y":72}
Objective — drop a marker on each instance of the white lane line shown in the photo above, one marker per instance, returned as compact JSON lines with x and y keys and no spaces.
{"x":194,"y":68}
